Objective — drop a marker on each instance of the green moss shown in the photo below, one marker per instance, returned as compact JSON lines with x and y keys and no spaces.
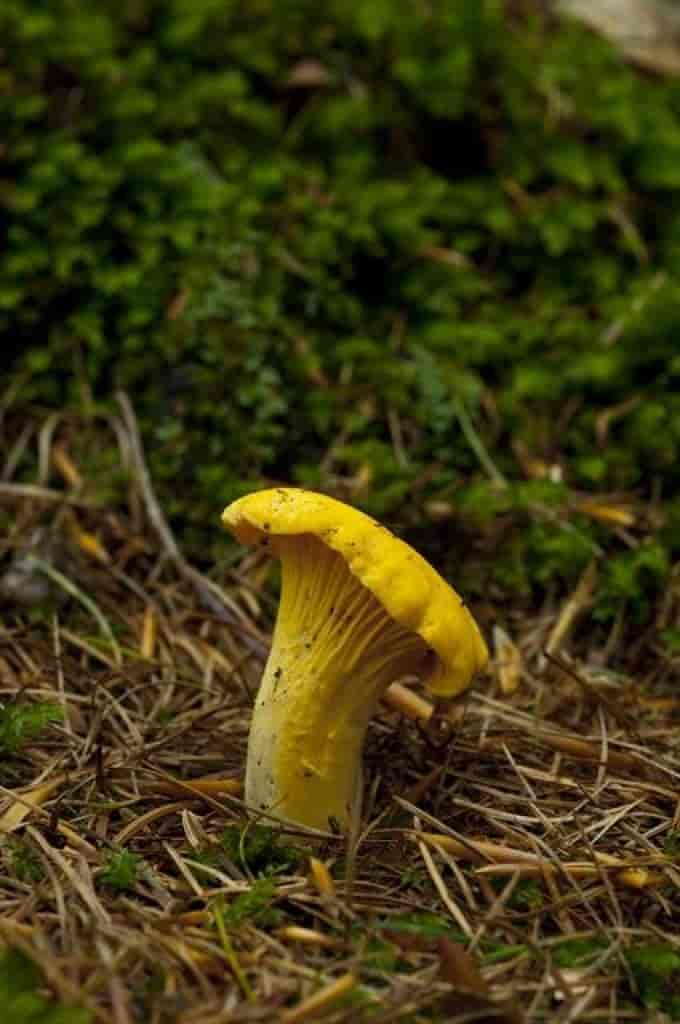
{"x":527,"y":895}
{"x":22,"y":721}
{"x":254,"y":905}
{"x":122,"y":869}
{"x":671,"y":844}
{"x":459,"y":241}
{"x":21,"y":999}
{"x":380,"y":956}
{"x":423,"y":923}
{"x":578,"y":952}
{"x":656,"y":970}
{"x":631,"y":579}
{"x":260,"y":850}
{"x":23,"y":859}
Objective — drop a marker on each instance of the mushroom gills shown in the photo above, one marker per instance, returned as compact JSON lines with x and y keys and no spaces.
{"x":334,"y":652}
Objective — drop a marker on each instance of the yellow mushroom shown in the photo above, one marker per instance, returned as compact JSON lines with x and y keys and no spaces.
{"x":359,"y":608}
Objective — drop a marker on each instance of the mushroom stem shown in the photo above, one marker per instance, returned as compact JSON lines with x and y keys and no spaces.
{"x":335,"y":651}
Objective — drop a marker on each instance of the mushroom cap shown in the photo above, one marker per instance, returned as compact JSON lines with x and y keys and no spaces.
{"x":406,"y":585}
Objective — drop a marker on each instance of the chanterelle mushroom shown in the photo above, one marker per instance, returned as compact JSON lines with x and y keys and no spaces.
{"x":359,"y":608}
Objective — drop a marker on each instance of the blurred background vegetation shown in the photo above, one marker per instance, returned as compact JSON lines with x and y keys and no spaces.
{"x":425,"y":256}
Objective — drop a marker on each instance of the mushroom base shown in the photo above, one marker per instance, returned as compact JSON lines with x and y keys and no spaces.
{"x":335,"y":651}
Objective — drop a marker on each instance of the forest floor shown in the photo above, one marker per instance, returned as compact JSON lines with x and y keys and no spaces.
{"x":518,"y":853}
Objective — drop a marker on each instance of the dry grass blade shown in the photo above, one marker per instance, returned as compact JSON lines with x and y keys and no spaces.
{"x":476,"y":850}
{"x":211,"y":787}
{"x":322,"y":878}
{"x":508,"y":661}
{"x":22,"y":492}
{"x":317,"y":1004}
{"x":76,"y":592}
{"x":309,"y":937}
{"x":23,"y":804}
{"x":573,"y":607}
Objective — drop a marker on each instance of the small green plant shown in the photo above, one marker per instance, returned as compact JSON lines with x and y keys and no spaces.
{"x":23,"y":859}
{"x":578,"y":952}
{"x":656,"y":970}
{"x":122,"y":869}
{"x":632,"y":579}
{"x":22,"y":721}
{"x":670,"y":638}
{"x":430,"y":927}
{"x":671,"y":844}
{"x":255,"y":905}
{"x":527,"y":895}
{"x":422,"y":923}
{"x":20,"y":1000}
{"x":495,"y":952}
{"x":260,"y":850}
{"x":380,"y":956}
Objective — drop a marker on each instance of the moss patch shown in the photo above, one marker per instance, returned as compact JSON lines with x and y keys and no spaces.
{"x":404,"y":254}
